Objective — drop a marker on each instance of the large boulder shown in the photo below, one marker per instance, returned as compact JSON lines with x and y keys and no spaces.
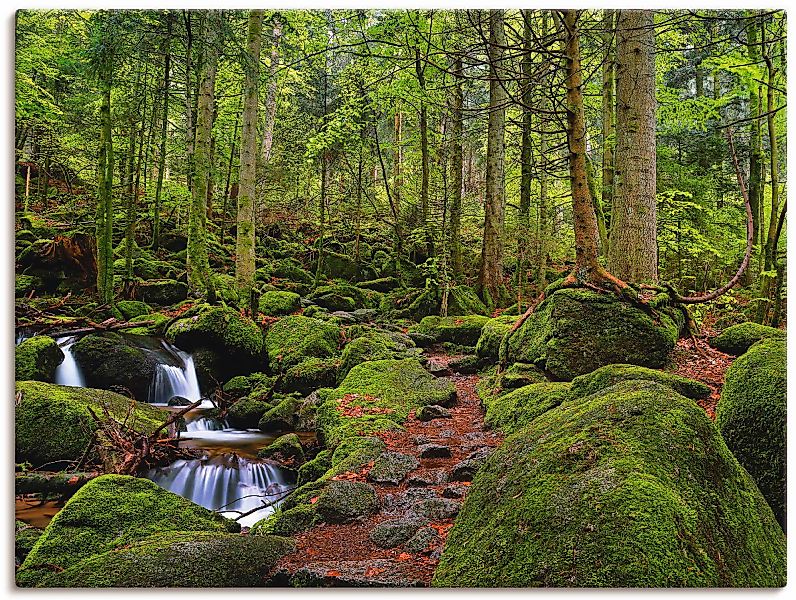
{"x":609,"y":375}
{"x":512,"y":411}
{"x":291,"y":340}
{"x":751,"y":415}
{"x":277,"y":304}
{"x":120,"y":531}
{"x":575,"y":331}
{"x":346,"y":501}
{"x":53,"y":422}
{"x":461,"y":330}
{"x":163,"y":292}
{"x":108,"y":361}
{"x":37,"y":358}
{"x":737,"y":339}
{"x":492,"y":335}
{"x":631,"y":487}
{"x":462,"y":300}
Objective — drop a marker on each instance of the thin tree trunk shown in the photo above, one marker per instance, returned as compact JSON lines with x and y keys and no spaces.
{"x":608,"y":107}
{"x":244,"y":248}
{"x":424,"y":160}
{"x":756,"y":157}
{"x":163,"y":132}
{"x":270,"y":101}
{"x":457,"y":129}
{"x":526,"y":157}
{"x":634,"y":251}
{"x":190,"y":129}
{"x":104,"y":215}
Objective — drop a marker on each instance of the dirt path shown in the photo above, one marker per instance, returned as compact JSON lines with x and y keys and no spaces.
{"x":344,"y":555}
{"x":708,"y":366}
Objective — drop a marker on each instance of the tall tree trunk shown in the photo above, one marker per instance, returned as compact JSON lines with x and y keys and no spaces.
{"x":104,"y":215}
{"x":490,"y":278}
{"x":756,"y":157}
{"x":129,"y":204}
{"x":424,"y":159}
{"x":198,"y":263}
{"x":457,"y":134}
{"x":270,"y":101}
{"x":526,"y":157}
{"x":190,"y":128}
{"x":164,"y":127}
{"x":244,"y":248}
{"x":634,"y":250}
{"x":227,"y":189}
{"x":608,"y":107}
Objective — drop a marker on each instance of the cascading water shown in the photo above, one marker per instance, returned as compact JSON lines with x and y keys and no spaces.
{"x":68,"y":372}
{"x":175,"y":379}
{"x":226,"y":482}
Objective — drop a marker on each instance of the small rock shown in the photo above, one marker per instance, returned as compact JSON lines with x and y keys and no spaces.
{"x":403,"y":501}
{"x":346,"y":501}
{"x":437,"y":508}
{"x":455,"y":491}
{"x":446,"y":433}
{"x":433,"y":411}
{"x":427,"y":478}
{"x":466,"y":469}
{"x":434,"y":451}
{"x":392,"y":467}
{"x":347,"y":573}
{"x":178,"y":401}
{"x":419,"y":440}
{"x":467,"y":365}
{"x":365,"y":315}
{"x":394,"y":532}
{"x":345,"y":317}
{"x":420,"y":540}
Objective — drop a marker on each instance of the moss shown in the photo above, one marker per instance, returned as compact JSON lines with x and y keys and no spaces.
{"x":633,"y":487}
{"x":285,"y":449}
{"x":362,"y":298}
{"x":310,"y":374}
{"x":739,"y":338}
{"x":377,"y":396}
{"x":370,"y":346}
{"x":513,"y":411}
{"x":751,"y":415}
{"x":247,"y":412}
{"x":24,"y":284}
{"x":110,"y":512}
{"x":392,"y":467}
{"x":180,"y":560}
{"x":162,"y":292}
{"x":492,"y":333}
{"x":609,"y":375}
{"x":236,"y":338}
{"x":287,"y":522}
{"x":576,"y":331}
{"x":290,"y":270}
{"x":277,"y":304}
{"x":132,"y":308}
{"x":462,"y":300}
{"x":293,"y":339}
{"x":37,"y":358}
{"x":281,"y":417}
{"x":25,"y":537}
{"x":52,"y":422}
{"x":464,"y":330}
{"x":107,"y":360}
{"x":314,"y":469}
{"x":242,"y":385}
{"x":157,"y":327}
{"x":519,"y":375}
{"x":346,"y":501}
{"x":337,"y":265}
{"x":382,"y":284}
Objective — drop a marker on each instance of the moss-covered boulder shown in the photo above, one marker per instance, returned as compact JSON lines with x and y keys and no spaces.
{"x":575,"y":331}
{"x":287,"y":522}
{"x":107,"y":361}
{"x":164,"y":292}
{"x":344,"y":296}
{"x":512,"y":411}
{"x":291,"y":340}
{"x":53,"y":423}
{"x":132,"y":308}
{"x":110,"y":513}
{"x":462,"y":330}
{"x":281,"y":416}
{"x":346,"y":501}
{"x":751,"y":415}
{"x":37,"y":358}
{"x":462,"y":300}
{"x":25,"y":284}
{"x":279,"y":303}
{"x":286,"y":450}
{"x":609,"y":375}
{"x":392,"y":467}
{"x":315,"y":468}
{"x":25,"y":537}
{"x":310,"y":375}
{"x":373,"y":345}
{"x":492,"y":334}
{"x":379,"y":395}
{"x":242,"y":385}
{"x":247,"y":412}
{"x":637,"y":480}
{"x":737,"y":339}
{"x":222,"y":329}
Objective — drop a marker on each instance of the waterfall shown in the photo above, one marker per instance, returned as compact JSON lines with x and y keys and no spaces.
{"x":203,"y":424}
{"x":175,"y":380}
{"x":228,"y":482}
{"x":68,"y":372}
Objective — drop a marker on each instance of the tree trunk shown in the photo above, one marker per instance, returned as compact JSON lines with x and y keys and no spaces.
{"x":198,"y":264}
{"x":608,"y":108}
{"x":163,"y":132}
{"x":270,"y":101}
{"x":526,"y":157}
{"x":424,"y":160}
{"x":244,"y":248}
{"x":756,"y":157}
{"x":190,"y":129}
{"x":457,"y":129}
{"x":490,"y":279}
{"x":104,"y":215}
{"x":634,"y":251}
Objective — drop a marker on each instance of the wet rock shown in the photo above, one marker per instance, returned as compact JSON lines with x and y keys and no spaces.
{"x":466,"y":469}
{"x":434,"y":451}
{"x":427,"y":478}
{"x":392,"y":467}
{"x":437,"y":369}
{"x":402,"y":502}
{"x":285,"y":450}
{"x":394,"y":532}
{"x":178,"y":401}
{"x":108,"y":361}
{"x":346,"y":318}
{"x":434,"y":411}
{"x":421,"y":540}
{"x":346,"y":501}
{"x":437,"y":509}
{"x":365,"y":315}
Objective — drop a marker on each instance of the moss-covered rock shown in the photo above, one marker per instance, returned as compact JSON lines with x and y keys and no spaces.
{"x":223,"y":329}
{"x":53,"y":423}
{"x":25,"y":284}
{"x":751,"y":415}
{"x":346,"y":501}
{"x":737,"y":339}
{"x":287,"y":522}
{"x":314,"y":469}
{"x":379,"y":395}
{"x":37,"y":358}
{"x":373,"y":345}
{"x":282,"y":416}
{"x":395,"y":532}
{"x":637,"y":480}
{"x":277,"y":304}
{"x":609,"y":375}
{"x":285,"y":450}
{"x":392,"y":467}
{"x":242,"y":385}
{"x":310,"y":375}
{"x":291,"y":340}
{"x":492,"y":333}
{"x":344,"y":296}
{"x":336,"y":265}
{"x":110,"y":513}
{"x":576,"y":331}
{"x":132,"y":308}
{"x":107,"y":360}
{"x":519,"y":375}
{"x":25,"y":537}
{"x":462,"y":300}
{"x":382,"y":284}
{"x":247,"y":412}
{"x":463,"y":330}
{"x":157,"y":326}
{"x":513,"y":411}
{"x":164,"y":292}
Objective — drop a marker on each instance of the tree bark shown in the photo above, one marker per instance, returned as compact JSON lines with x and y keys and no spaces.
{"x":164,"y":126}
{"x":270,"y":101}
{"x":608,"y":108}
{"x":756,"y":157}
{"x":104,"y":214}
{"x":634,"y":251}
{"x":457,"y":134}
{"x":244,"y":249}
{"x":490,"y":279}
{"x":424,"y":160}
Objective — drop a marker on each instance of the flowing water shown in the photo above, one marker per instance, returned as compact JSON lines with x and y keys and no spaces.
{"x":68,"y":372}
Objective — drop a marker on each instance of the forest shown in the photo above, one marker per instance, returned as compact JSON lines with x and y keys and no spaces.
{"x":400,"y":298}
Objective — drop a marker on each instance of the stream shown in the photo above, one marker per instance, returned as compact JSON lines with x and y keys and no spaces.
{"x":228,"y":476}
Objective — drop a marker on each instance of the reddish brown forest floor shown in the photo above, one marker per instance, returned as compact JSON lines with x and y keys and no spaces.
{"x":344,"y":554}
{"x":707,"y":365}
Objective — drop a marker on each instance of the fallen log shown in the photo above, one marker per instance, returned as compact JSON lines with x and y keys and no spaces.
{"x":60,"y":483}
